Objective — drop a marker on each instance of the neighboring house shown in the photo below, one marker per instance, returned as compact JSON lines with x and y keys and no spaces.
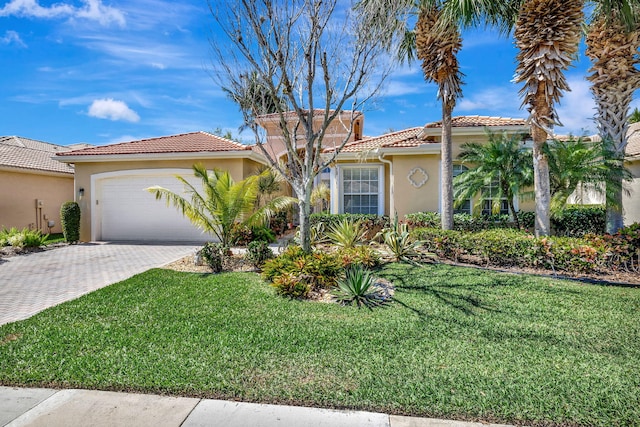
{"x":111,"y":182}
{"x":33,"y":186}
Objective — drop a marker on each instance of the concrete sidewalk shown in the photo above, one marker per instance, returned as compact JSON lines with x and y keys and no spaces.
{"x":52,"y":408}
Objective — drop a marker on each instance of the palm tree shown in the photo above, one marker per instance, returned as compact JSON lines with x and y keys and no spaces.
{"x":435,"y":42}
{"x":502,"y":169}
{"x":634,"y":117}
{"x":576,"y":163}
{"x":223,"y":203}
{"x":613,"y":41}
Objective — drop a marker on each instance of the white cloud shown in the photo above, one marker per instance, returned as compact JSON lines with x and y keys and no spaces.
{"x":11,"y":37}
{"x":501,"y":100}
{"x":113,"y":110}
{"x":577,"y":108}
{"x":92,"y":10}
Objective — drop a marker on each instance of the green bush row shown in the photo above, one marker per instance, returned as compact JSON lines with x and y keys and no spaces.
{"x":571,"y":221}
{"x":508,"y":247}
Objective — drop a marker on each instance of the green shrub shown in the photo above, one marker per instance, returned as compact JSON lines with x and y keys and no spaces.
{"x":346,"y":233}
{"x":466,"y":222}
{"x":527,"y":220}
{"x":359,"y":255}
{"x":70,"y":219}
{"x":579,"y":220}
{"x":357,"y":286}
{"x":24,"y":238}
{"x":214,"y":254}
{"x":318,"y":270}
{"x":423,"y":219}
{"x":290,"y":285}
{"x":623,"y":248}
{"x":243,"y":235}
{"x":371,"y":222}
{"x":258,"y":252}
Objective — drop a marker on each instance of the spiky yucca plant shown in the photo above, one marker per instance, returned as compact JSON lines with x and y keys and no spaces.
{"x":613,"y":47}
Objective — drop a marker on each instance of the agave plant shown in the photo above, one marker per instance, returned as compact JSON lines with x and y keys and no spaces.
{"x":347,"y":233}
{"x":400,"y":241}
{"x":357,"y":286}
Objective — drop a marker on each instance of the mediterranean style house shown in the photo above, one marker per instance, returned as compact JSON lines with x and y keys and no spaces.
{"x":395,"y":173}
{"x":33,"y":186}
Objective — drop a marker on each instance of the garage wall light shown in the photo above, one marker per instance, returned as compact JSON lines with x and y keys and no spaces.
{"x":80,"y":193}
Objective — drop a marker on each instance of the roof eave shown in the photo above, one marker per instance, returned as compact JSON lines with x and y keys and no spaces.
{"x":248,"y":154}
{"x":473,"y":130}
{"x":34,"y":171}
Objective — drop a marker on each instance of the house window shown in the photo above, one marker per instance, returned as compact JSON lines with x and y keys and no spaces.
{"x":491,"y":192}
{"x":465,"y":207}
{"x":361,"y":188}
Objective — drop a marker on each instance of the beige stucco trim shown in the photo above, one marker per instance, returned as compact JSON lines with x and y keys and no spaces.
{"x":473,"y":130}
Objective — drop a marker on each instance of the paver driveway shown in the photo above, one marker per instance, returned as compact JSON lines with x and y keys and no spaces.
{"x":31,"y":283}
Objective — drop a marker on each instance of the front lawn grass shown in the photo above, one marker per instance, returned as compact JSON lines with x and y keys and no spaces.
{"x":456,"y":343}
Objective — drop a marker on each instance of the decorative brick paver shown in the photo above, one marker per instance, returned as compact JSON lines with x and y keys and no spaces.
{"x":34,"y":282}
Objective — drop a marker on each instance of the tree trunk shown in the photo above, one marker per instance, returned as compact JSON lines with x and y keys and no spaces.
{"x":614,"y":210}
{"x":304,"y":207}
{"x":446,"y":168}
{"x":542,"y":188}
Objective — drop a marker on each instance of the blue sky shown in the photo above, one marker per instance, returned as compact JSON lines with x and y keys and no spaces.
{"x":99,"y":72}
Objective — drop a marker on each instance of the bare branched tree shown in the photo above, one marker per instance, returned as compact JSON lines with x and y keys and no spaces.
{"x":305,"y":67}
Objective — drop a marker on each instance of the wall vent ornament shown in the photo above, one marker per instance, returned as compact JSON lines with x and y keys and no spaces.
{"x":417,"y":177}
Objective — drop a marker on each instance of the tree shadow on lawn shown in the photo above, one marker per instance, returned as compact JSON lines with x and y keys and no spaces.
{"x":462,"y":288}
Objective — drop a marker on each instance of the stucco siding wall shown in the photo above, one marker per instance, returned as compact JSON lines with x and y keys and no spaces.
{"x":18,"y":195}
{"x":84,"y":171}
{"x":409,"y":198}
{"x":631,"y":202}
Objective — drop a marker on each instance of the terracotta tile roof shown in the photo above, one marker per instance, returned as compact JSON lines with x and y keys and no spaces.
{"x":193,"y":142}
{"x":24,"y":153}
{"x":633,"y":143}
{"x":401,"y":139}
{"x":479,"y":121}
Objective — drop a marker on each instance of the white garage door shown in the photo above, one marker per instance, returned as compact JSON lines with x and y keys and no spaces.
{"x":128,"y":212}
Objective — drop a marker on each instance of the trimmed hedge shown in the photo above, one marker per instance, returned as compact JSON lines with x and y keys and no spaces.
{"x":507,"y":247}
{"x":461,"y":222}
{"x":70,"y":219}
{"x":579,"y":220}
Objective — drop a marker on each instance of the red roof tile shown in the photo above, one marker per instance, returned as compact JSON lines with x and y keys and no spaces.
{"x":193,"y":142}
{"x":479,"y":121}
{"x":401,"y":139}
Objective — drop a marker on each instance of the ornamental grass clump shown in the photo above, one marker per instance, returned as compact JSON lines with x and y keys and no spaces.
{"x":400,"y":242}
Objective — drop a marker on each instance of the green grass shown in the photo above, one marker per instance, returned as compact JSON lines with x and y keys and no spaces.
{"x":456,"y":343}
{"x":55,"y":238}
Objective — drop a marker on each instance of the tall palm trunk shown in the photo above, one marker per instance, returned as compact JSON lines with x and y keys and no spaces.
{"x":547,"y":35}
{"x":613,"y":49}
{"x":437,"y":45}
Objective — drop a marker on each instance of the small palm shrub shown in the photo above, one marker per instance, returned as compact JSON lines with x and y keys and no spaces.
{"x":400,"y":241}
{"x":357,"y":286}
{"x":213,"y":254}
{"x":258,"y":252}
{"x":372,"y":223}
{"x":70,"y":220}
{"x":346,"y":233}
